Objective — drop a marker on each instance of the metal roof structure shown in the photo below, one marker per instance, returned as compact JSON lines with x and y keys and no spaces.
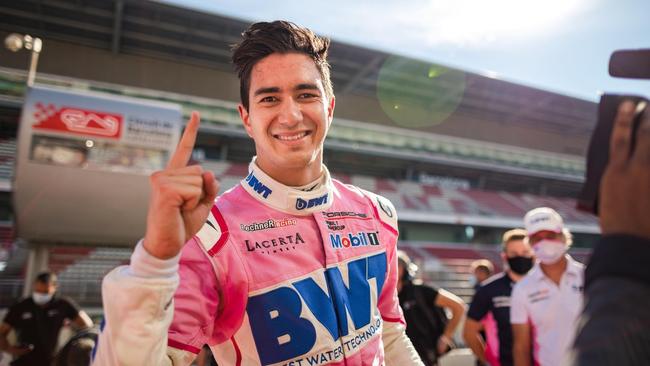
{"x":182,"y":36}
{"x":360,"y":137}
{"x":161,"y":30}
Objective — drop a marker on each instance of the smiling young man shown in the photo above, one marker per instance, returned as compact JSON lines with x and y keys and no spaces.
{"x":290,"y":267}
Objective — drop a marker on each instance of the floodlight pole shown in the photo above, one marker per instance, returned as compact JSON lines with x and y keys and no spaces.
{"x":36,"y":47}
{"x":15,"y":42}
{"x":38,"y":253}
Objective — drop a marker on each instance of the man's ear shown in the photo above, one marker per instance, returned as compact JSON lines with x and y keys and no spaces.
{"x":245,"y":118}
{"x":330,"y":109}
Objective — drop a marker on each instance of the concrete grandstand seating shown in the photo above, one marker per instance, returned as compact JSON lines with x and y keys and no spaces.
{"x":6,"y":234}
{"x":449,"y":201}
{"x":62,"y":257}
{"x":81,"y":269}
{"x":224,"y":114}
{"x":447,"y":265}
{"x":495,"y":202}
{"x":444,"y":265}
{"x":6,"y":240}
{"x":405,"y":195}
{"x":7,"y":157}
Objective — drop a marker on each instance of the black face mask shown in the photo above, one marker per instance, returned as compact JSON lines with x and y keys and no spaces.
{"x":520,"y":265}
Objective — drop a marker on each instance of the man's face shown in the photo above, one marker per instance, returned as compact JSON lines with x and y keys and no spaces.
{"x":44,"y":288}
{"x":289,"y":114}
{"x":545,"y":235}
{"x":481,"y":275}
{"x":518,"y":248}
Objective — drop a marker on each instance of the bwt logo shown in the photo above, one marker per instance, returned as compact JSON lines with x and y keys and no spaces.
{"x":302,"y":204}
{"x":258,"y":186}
{"x":277,"y":321}
{"x":360,"y":240}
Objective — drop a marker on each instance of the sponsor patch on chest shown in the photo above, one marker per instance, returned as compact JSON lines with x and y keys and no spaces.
{"x":539,"y":295}
{"x":337,"y":307}
{"x":501,"y":301}
{"x":360,"y":239}
{"x":273,"y":245}
{"x":268,"y":224}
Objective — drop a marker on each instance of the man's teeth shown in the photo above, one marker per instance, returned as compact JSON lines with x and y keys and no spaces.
{"x":292,"y":137}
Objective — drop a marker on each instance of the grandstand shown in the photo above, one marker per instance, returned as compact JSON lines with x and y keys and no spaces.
{"x":507,"y":148}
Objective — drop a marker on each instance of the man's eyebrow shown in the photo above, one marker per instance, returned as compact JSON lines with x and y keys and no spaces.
{"x":306,"y":86}
{"x":272,"y":89}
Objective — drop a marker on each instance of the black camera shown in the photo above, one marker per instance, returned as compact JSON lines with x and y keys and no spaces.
{"x":626,"y":64}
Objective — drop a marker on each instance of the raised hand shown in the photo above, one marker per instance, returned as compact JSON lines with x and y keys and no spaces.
{"x":625,"y":188}
{"x":181,"y":199}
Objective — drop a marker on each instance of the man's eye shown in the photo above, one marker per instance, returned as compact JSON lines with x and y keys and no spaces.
{"x":307,"y":96}
{"x":268,"y":99}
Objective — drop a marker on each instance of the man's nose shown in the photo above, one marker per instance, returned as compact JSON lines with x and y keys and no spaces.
{"x":290,"y":112}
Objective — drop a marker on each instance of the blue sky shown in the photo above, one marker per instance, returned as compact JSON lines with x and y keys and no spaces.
{"x":557,"y":45}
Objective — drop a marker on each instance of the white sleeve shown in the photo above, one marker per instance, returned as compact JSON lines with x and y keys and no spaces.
{"x":518,"y":309}
{"x":398,"y":349}
{"x":138,"y":310}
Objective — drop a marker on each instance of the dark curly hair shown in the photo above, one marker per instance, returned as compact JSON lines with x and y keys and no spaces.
{"x":265,"y":38}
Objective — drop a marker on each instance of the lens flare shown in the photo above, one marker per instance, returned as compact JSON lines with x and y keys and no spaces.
{"x":418,"y":94}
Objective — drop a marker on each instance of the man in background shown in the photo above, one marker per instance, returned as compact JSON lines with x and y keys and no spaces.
{"x":482,"y":270}
{"x":490,"y":307}
{"x":37,"y":321}
{"x":548,"y":299}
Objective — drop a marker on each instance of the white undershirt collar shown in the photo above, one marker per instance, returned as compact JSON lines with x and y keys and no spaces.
{"x":313,"y":197}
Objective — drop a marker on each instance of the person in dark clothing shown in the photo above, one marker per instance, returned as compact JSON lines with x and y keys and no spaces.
{"x":490,"y":306}
{"x":615,"y":322}
{"x":78,"y":350}
{"x":482,"y":269}
{"x":427,"y":325}
{"x":37,"y":321}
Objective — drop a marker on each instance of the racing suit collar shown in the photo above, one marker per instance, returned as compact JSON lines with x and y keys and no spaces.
{"x":314,"y":197}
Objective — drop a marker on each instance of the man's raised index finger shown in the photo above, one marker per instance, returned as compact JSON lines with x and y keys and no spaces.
{"x":183,"y":152}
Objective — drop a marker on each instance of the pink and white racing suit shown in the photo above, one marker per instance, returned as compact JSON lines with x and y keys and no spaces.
{"x":277,"y":276}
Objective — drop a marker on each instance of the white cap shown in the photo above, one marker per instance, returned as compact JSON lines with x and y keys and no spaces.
{"x":543,"y":219}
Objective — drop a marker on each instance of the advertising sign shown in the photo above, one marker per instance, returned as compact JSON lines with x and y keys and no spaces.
{"x":83,"y":161}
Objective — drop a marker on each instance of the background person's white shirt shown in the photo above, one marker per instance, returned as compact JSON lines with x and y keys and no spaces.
{"x":551,"y":310}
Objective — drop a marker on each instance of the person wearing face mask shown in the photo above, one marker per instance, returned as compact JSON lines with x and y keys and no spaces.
{"x":549,"y":298}
{"x":482,"y":270}
{"x":37,"y":321}
{"x":490,"y":307}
